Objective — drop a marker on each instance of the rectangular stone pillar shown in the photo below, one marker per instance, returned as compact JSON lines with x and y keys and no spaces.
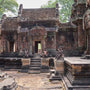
{"x":55,"y":40}
{"x":0,"y":39}
{"x":0,"y":45}
{"x":88,"y":43}
{"x":81,"y":36}
{"x":30,"y":45}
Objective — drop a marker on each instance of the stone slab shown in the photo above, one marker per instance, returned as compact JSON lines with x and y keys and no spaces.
{"x":77,"y":60}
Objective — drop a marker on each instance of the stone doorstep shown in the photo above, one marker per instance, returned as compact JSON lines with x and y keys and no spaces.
{"x":69,"y":86}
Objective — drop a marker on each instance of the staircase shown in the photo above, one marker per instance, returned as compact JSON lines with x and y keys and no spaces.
{"x":35,"y":66}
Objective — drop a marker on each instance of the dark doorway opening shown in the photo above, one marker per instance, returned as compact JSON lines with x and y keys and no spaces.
{"x":36,"y":46}
{"x":11,"y":46}
{"x":51,"y":63}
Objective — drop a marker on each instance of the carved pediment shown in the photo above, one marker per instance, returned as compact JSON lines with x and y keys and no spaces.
{"x":37,"y":31}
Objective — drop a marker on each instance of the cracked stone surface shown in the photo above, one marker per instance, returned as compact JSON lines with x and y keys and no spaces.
{"x":35,"y":81}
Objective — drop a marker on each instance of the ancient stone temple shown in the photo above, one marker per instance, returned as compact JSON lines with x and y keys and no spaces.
{"x":26,"y":38}
{"x":35,"y":30}
{"x":78,"y":18}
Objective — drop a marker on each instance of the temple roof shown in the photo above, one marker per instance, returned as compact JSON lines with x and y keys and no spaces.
{"x":10,"y":23}
{"x":67,"y":25}
{"x":39,"y":14}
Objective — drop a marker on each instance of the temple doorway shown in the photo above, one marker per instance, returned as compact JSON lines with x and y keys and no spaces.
{"x":11,"y":46}
{"x":37,"y":46}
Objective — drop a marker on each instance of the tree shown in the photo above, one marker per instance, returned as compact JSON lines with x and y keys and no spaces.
{"x":50,"y":4}
{"x":8,"y":6}
{"x":64,"y":8}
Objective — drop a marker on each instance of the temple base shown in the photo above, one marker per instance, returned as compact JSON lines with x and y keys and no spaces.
{"x":77,"y":73}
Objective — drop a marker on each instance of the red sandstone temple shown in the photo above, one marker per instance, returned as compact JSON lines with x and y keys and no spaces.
{"x":35,"y":30}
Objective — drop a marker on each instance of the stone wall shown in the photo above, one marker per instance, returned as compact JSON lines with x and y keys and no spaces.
{"x":65,"y":39}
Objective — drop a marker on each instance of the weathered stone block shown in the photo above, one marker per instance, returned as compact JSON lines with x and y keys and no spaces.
{"x":44,"y":65}
{"x":45,"y":62}
{"x":25,"y":61}
{"x":59,"y":66}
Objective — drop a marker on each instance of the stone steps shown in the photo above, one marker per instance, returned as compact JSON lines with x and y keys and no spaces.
{"x":35,"y":66}
{"x":35,"y":63}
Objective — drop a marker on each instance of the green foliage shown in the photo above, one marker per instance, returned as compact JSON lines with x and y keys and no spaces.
{"x":8,"y":6}
{"x":64,"y":8}
{"x":50,"y":4}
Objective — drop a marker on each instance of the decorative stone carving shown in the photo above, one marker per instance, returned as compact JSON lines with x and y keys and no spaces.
{"x":18,"y":30}
{"x":86,"y":20}
{"x":3,"y":17}
{"x":87,"y":3}
{"x":60,"y":55}
{"x":37,"y":31}
{"x":0,"y":28}
{"x":57,"y":11}
{"x":20,"y":10}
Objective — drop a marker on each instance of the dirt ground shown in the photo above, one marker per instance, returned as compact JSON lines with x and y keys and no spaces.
{"x":34,"y":81}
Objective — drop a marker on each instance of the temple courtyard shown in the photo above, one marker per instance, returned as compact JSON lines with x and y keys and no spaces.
{"x":75,"y":76}
{"x":34,"y":81}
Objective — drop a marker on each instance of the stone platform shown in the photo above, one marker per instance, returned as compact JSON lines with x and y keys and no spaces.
{"x":77,"y":73}
{"x":15,"y":63}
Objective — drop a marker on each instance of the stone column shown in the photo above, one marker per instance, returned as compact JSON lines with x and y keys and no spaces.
{"x":43,"y":44}
{"x":18,"y":35}
{"x":0,"y":39}
{"x":8,"y":46}
{"x":88,"y":42}
{"x":30,"y":45}
{"x":45,"y":40}
{"x":81,"y":36}
{"x":0,"y":45}
{"x":55,"y":40}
